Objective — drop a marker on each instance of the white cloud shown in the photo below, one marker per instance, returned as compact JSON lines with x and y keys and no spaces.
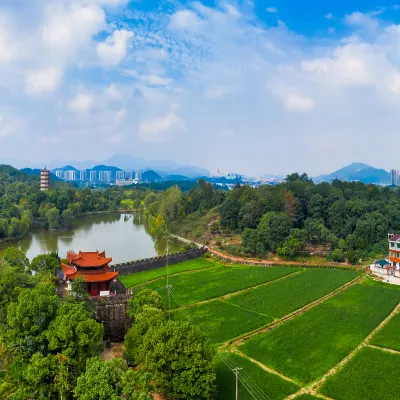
{"x":68,"y":26}
{"x":185,"y":20}
{"x":271,"y":10}
{"x":329,"y":16}
{"x":82,"y":102}
{"x":9,"y":126}
{"x":215,"y":92}
{"x":7,"y":47}
{"x":231,"y":10}
{"x":295,"y":102}
{"x":42,"y":80}
{"x":114,"y":49}
{"x":160,"y":129}
{"x":120,"y":115}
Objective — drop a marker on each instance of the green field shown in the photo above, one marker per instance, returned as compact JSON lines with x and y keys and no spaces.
{"x":252,"y":376}
{"x":389,"y":335}
{"x":307,"y":397}
{"x":145,"y":276}
{"x":370,"y":375}
{"x":308,"y":346}
{"x":283,"y":297}
{"x":217,"y":281}
{"x":221,"y":320}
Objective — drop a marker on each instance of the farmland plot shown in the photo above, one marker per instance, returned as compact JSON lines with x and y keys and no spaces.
{"x":370,"y":375}
{"x":308,"y":346}
{"x":283,"y":297}
{"x":217,"y":281}
{"x":389,"y":336}
{"x":253,"y":379}
{"x":221,"y":321}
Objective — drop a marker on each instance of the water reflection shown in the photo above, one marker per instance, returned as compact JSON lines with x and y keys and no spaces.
{"x":124,"y":237}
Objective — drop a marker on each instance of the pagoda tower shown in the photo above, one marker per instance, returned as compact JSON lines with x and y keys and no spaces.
{"x":44,"y":179}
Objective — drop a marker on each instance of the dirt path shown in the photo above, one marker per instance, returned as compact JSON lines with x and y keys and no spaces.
{"x":384,"y":349}
{"x":316,"y":385}
{"x":262,"y":366}
{"x":292,"y":315}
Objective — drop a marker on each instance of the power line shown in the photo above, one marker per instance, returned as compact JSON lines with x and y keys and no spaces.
{"x":254,"y":390}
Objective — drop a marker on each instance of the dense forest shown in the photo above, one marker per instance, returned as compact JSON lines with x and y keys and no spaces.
{"x":349,"y":219}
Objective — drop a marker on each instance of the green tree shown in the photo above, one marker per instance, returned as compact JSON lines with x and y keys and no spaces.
{"x":78,"y":287}
{"x":74,"y":333}
{"x":144,"y":298}
{"x":112,"y":381}
{"x":338,"y":255}
{"x":158,"y":226}
{"x":45,"y":263}
{"x":67,"y":217}
{"x":16,"y":258}
{"x":274,"y":228}
{"x":179,"y":360}
{"x":149,"y":317}
{"x":53,"y":217}
{"x":289,"y":248}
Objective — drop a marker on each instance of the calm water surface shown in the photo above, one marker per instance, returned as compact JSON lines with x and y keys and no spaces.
{"x":124,"y":237}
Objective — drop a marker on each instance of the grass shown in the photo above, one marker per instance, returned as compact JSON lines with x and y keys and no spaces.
{"x":308,"y":346}
{"x":307,"y":397}
{"x":389,"y":336}
{"x":145,"y":276}
{"x":218,"y":281}
{"x":269,"y":384}
{"x":220,"y":320}
{"x":283,"y":297}
{"x":370,"y":375}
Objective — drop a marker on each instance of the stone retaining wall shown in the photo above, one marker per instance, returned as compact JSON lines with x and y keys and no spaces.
{"x":147,"y":264}
{"x":111,"y":312}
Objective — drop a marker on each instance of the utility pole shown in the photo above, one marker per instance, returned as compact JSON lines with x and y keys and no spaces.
{"x":169,"y":287}
{"x":237,"y":381}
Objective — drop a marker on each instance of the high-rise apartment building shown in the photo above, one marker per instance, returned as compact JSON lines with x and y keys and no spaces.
{"x":71,"y":175}
{"x":93,"y":176}
{"x":83,"y":175}
{"x":60,"y":174}
{"x":138,"y":175}
{"x":394,"y":177}
{"x":105,"y":176}
{"x":120,"y":175}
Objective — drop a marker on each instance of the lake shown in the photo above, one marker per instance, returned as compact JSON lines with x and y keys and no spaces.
{"x":124,"y":237}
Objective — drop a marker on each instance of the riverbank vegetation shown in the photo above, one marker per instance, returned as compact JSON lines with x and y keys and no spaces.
{"x":293,"y":220}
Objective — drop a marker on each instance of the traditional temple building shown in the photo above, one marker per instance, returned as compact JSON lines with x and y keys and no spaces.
{"x":94,"y":267}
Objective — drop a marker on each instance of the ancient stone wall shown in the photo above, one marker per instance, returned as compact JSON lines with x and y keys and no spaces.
{"x":156,"y":262}
{"x":111,"y":312}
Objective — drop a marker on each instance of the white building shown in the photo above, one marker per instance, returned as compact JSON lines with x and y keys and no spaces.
{"x":138,"y":175}
{"x":105,"y":176}
{"x":120,"y":175}
{"x":60,"y":174}
{"x":83,"y":175}
{"x":124,"y":182}
{"x":71,"y":175}
{"x":93,"y":176}
{"x":394,"y":177}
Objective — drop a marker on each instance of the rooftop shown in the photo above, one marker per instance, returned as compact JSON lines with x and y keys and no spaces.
{"x":88,"y":258}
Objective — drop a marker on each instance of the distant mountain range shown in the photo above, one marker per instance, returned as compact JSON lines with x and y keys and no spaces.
{"x":357,"y":172}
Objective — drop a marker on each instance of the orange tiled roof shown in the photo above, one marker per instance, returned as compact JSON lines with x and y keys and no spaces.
{"x":72,"y":273}
{"x":88,"y":258}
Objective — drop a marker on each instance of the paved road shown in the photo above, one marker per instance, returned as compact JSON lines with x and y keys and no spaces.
{"x":187,"y":240}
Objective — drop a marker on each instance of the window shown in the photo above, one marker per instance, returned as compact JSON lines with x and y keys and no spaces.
{"x":391,"y":254}
{"x":391,"y":244}
{"x":398,"y":245}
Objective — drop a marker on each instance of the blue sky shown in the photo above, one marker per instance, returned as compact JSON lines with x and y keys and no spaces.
{"x":255,"y":87}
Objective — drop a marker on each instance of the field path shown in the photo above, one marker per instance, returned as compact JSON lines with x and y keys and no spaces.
{"x":384,"y":349}
{"x":315,"y":386}
{"x":262,"y":366}
{"x":290,"y":316}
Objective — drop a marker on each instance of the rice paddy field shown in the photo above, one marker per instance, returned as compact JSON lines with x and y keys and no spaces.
{"x":300,"y":332}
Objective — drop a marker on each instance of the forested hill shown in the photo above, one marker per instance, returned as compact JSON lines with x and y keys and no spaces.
{"x":349,"y":218}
